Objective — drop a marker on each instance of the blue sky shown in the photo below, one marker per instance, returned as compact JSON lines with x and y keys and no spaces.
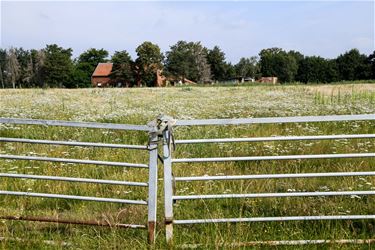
{"x":240,"y":28}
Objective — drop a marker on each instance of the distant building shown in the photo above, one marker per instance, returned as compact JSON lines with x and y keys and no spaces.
{"x":162,"y":81}
{"x":268,"y":79}
{"x":100,"y":77}
{"x":246,"y":79}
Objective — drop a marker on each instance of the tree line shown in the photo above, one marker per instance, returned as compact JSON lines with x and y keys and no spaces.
{"x":53,"y":66}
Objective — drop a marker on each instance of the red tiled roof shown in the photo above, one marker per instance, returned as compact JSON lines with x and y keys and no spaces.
{"x":103,"y":69}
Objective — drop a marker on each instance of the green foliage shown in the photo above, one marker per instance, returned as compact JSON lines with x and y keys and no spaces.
{"x":179,"y":61}
{"x":277,"y":62}
{"x":53,"y":66}
{"x":3,"y":58}
{"x":190,"y":60}
{"x":38,"y":60}
{"x":353,"y":66}
{"x":81,"y":76}
{"x":12,"y":69}
{"x":216,"y":59}
{"x":85,"y":66}
{"x":230,"y":71}
{"x":371,"y":61}
{"x":247,"y":67}
{"x":93,"y":56}
{"x":58,"y":67}
{"x":317,"y":70}
{"x":123,"y":68}
{"x":25,"y":74}
{"x":148,"y":62}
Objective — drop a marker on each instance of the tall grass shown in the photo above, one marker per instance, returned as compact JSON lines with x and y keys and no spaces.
{"x":138,"y":106}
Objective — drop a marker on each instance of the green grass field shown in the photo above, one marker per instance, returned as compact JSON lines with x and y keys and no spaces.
{"x":139,"y":106}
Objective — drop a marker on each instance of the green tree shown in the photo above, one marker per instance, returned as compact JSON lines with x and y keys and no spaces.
{"x":247,"y":67}
{"x":371,"y":62}
{"x":188,"y":60}
{"x":277,"y":62}
{"x":331,"y":73}
{"x":315,"y":69}
{"x":23,"y":58}
{"x":123,"y":68}
{"x":28,"y":74}
{"x":81,"y":78}
{"x":38,"y":60}
{"x":296,"y":55}
{"x":58,"y":66}
{"x":179,"y":61}
{"x":3,"y":59}
{"x":13,"y":69}
{"x":203,"y":68}
{"x":353,"y":65}
{"x":149,"y":61}
{"x":93,"y":56}
{"x":216,"y":59}
{"x":86,"y":64}
{"x":230,"y":71}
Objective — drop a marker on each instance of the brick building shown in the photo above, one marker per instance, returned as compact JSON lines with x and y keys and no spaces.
{"x":100,"y":77}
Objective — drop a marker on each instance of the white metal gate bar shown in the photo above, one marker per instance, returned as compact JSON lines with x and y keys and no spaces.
{"x":271,"y":176}
{"x":271,"y":158}
{"x":51,"y":159}
{"x":73,"y":143}
{"x":270,"y":195}
{"x":170,"y":198}
{"x":71,"y":179}
{"x":292,"y":119}
{"x":283,"y":243}
{"x":269,"y":219}
{"x":74,"y":197}
{"x":276,"y":138}
{"x":151,"y":166}
{"x":74,"y":124}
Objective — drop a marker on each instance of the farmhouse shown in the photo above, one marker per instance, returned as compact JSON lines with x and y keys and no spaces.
{"x":100,"y":77}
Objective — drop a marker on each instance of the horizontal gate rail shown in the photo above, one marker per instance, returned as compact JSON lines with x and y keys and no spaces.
{"x":169,"y":179}
{"x":151,"y":185}
{"x":71,"y":221}
{"x":270,"y":219}
{"x":293,"y":119}
{"x":73,"y":197}
{"x":73,"y":143}
{"x":50,"y":159}
{"x":284,"y":243}
{"x":271,"y":195}
{"x":276,"y":138}
{"x":271,"y":176}
{"x":276,"y":157}
{"x":71,"y":179}
{"x":74,"y":124}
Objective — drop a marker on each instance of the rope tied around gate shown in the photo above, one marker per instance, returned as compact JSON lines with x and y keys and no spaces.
{"x":159,"y":125}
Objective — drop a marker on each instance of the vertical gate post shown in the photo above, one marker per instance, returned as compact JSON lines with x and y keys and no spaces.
{"x":152,"y":187}
{"x":168,"y":187}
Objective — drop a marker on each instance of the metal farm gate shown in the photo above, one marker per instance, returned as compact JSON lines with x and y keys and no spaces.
{"x":150,"y":164}
{"x":161,"y":130}
{"x":170,"y":179}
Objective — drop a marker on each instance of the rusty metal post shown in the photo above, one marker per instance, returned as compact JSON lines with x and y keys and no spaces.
{"x":168,"y":187}
{"x":152,"y":186}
